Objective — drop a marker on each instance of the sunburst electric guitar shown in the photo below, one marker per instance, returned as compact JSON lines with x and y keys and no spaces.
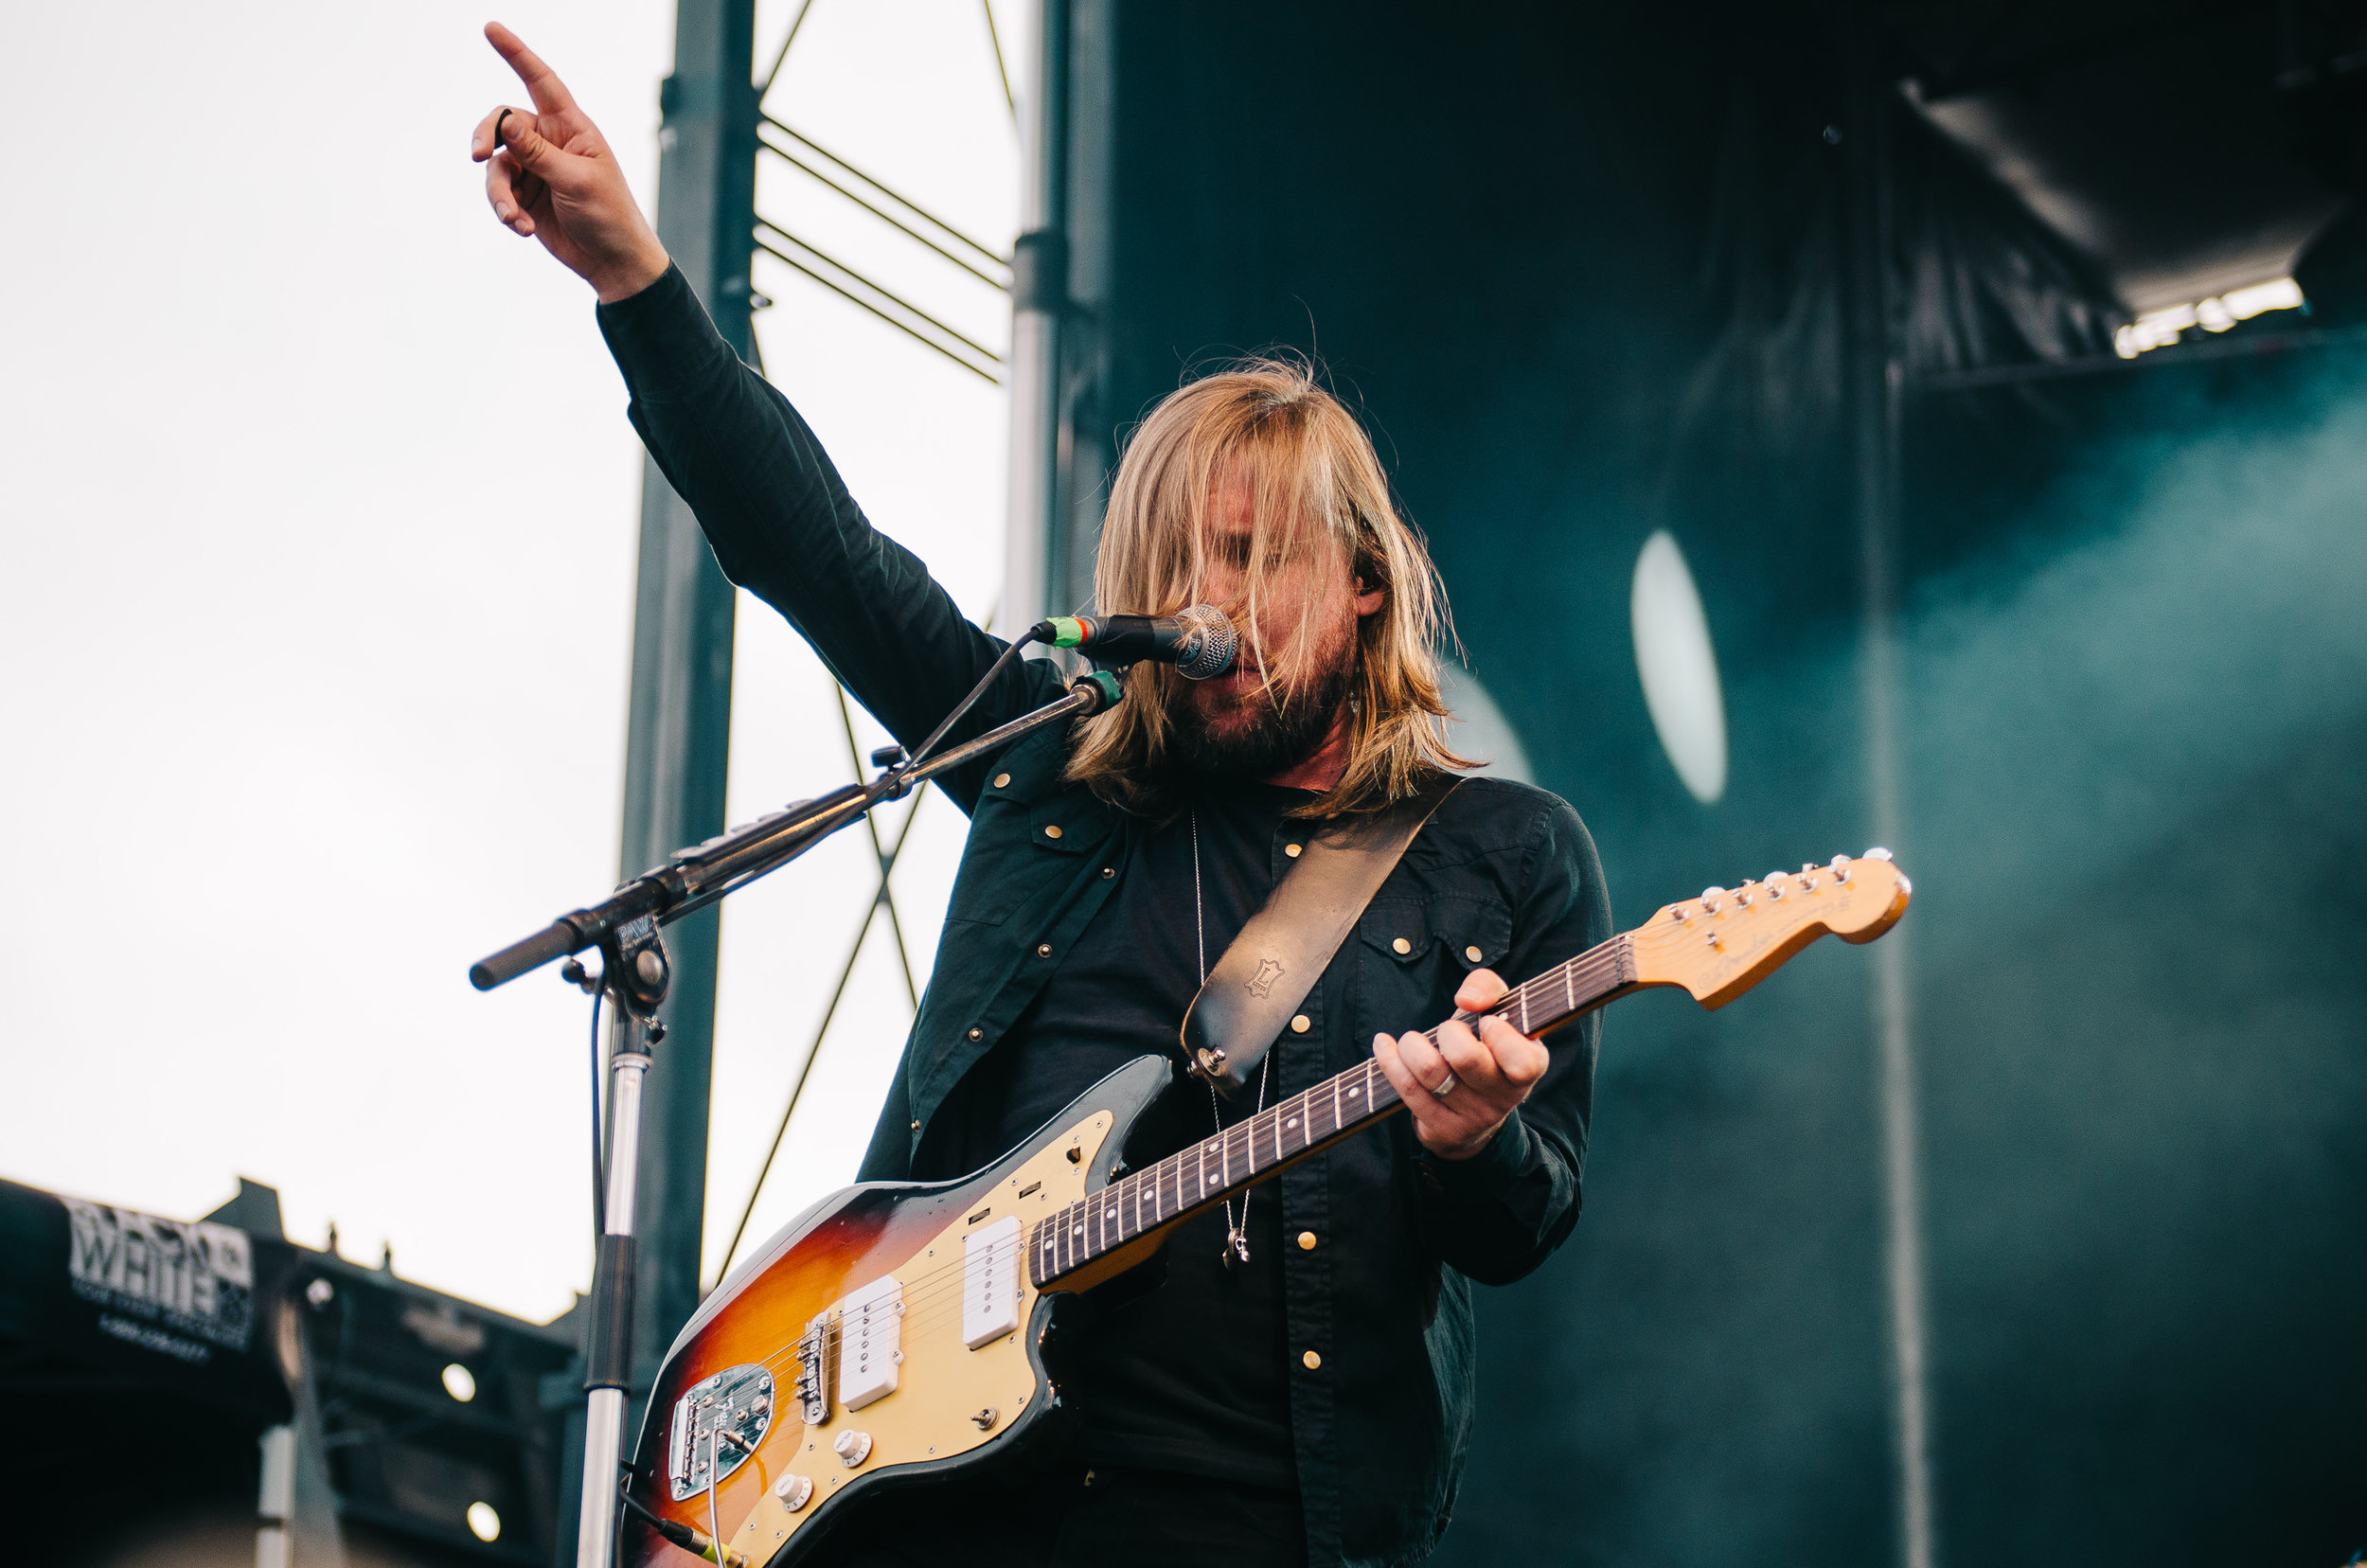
{"x":895,"y":1332}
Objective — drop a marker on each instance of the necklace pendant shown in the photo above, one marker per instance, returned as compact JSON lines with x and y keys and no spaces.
{"x":1236,"y":1248}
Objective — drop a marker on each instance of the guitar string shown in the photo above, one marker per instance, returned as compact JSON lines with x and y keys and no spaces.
{"x":1593,"y":968}
{"x":923,"y":1295}
{"x":1168,"y":1174}
{"x":925,"y":1307}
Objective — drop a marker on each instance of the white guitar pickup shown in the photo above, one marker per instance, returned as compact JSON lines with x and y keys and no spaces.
{"x":990,"y":1282}
{"x":870,"y":1342}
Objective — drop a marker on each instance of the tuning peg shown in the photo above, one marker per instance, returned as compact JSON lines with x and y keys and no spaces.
{"x":1878,"y":853}
{"x":1840,"y":869}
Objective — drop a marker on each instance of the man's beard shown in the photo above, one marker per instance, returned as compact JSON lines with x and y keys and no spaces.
{"x":1275,"y":739}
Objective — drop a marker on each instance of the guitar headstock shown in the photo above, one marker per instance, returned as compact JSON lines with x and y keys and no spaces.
{"x":1720,"y":945}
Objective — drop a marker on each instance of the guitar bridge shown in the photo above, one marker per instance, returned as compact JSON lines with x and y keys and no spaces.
{"x":813,"y":1390}
{"x":717,"y":1427}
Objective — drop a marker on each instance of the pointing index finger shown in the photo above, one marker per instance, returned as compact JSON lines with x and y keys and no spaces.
{"x":543,"y":86}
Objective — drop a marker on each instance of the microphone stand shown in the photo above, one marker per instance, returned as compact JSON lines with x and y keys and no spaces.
{"x":634,"y":971}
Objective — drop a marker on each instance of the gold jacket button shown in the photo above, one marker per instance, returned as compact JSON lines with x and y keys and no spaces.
{"x":1473,"y":953}
{"x":1052,"y":829}
{"x":1292,"y":851}
{"x":1402,"y":945}
{"x":1109,"y":871}
{"x":1002,"y":779}
{"x":977,"y":1034}
{"x":915,"y":1127}
{"x":1299,"y":1025}
{"x":1312,"y":1361}
{"x":1307,"y":1240}
{"x":1043,"y":950}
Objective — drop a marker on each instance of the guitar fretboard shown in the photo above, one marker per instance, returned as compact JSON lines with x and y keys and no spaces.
{"x":1219,"y":1166}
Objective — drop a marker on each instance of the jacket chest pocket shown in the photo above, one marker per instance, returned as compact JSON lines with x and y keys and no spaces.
{"x":1414,"y":953}
{"x":1026,"y":833}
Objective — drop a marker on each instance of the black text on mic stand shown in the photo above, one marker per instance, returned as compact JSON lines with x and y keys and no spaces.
{"x":634,"y":973}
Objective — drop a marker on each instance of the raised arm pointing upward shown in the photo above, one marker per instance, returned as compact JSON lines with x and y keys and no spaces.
{"x":550,"y":174}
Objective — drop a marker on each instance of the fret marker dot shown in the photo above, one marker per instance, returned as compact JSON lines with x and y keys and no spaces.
{"x":1353,"y":1093}
{"x":1114,"y":1214}
{"x":1293,"y":1122}
{"x":1080,"y":1231}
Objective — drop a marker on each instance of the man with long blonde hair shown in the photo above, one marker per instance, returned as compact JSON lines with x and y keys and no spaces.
{"x":1292,"y":1382}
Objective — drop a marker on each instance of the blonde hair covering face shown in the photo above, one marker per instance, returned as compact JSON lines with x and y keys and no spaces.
{"x":1319,"y":503}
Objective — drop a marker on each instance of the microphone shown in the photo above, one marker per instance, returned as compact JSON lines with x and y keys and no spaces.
{"x":1200,"y":642}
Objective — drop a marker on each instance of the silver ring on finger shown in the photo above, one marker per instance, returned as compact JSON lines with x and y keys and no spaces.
{"x":1445,"y":1086}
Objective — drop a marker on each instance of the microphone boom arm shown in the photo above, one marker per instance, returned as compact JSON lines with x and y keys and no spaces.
{"x":693,"y":878}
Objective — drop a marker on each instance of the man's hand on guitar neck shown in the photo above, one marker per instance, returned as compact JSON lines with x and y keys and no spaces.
{"x":552,"y":176}
{"x":1492,"y":1072}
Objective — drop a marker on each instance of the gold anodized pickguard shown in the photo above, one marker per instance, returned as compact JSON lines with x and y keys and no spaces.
{"x":942,"y":1384}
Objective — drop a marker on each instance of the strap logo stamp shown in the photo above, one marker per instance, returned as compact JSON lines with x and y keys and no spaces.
{"x":1269,"y":971}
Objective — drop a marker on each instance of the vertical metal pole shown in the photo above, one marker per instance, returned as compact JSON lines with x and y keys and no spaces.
{"x":275,"y":1504}
{"x":1038,"y":302}
{"x":604,"y":1433}
{"x":1876,"y":383}
{"x":679,"y":733}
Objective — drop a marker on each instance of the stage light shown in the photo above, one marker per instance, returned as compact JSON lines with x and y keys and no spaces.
{"x":461,"y":1384}
{"x":484,"y":1522}
{"x":1677,"y":666}
{"x":2160,"y":328}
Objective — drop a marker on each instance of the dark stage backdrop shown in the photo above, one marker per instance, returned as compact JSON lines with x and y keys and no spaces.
{"x":1577,"y":268}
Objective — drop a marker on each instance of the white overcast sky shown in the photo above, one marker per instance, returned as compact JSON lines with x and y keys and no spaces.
{"x":318,"y":563}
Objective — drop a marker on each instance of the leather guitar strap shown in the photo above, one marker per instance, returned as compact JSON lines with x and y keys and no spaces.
{"x":1272,"y":966}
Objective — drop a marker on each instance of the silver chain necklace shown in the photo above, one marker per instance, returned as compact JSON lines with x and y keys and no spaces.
{"x":1236,"y":1248}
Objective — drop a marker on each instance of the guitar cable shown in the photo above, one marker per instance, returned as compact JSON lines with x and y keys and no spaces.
{"x":697,"y":1544}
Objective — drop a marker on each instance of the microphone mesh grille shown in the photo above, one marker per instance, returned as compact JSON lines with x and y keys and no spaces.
{"x":1211,"y":651}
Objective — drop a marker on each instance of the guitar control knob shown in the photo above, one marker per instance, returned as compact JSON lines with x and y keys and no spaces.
{"x":794,"y":1491}
{"x":852,"y":1446}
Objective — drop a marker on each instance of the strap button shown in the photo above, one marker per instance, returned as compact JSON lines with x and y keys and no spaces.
{"x":1299,"y":1025}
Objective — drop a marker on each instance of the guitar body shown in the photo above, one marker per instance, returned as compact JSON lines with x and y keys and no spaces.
{"x":952,"y":1408}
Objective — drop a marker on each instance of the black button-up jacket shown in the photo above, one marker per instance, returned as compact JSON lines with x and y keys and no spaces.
{"x":1503,"y":876}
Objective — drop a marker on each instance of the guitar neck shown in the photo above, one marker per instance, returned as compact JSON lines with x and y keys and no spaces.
{"x":1221,"y":1167}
